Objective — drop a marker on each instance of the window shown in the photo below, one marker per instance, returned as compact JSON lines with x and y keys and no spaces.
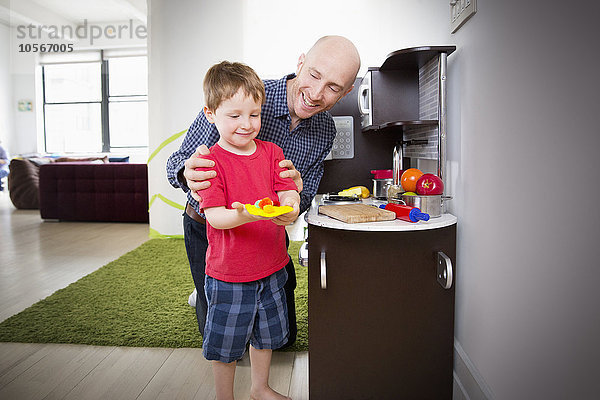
{"x":99,"y":106}
{"x":72,"y":107}
{"x":128,"y":102}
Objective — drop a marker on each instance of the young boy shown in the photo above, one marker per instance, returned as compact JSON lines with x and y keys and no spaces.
{"x":247,"y":254}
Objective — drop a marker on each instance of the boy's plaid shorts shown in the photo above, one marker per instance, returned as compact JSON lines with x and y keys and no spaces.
{"x":238,"y":312}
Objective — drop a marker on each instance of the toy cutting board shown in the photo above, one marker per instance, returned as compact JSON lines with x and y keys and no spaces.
{"x":355,"y":213}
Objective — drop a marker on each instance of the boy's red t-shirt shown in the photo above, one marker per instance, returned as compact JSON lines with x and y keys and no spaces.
{"x":257,"y":249}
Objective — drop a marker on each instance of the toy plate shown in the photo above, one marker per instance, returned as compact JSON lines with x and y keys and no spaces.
{"x":277,"y":210}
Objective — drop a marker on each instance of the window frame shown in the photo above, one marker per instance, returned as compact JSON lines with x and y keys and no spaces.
{"x":104,"y":102}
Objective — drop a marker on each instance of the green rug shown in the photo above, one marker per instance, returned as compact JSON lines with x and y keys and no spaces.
{"x":138,"y":300}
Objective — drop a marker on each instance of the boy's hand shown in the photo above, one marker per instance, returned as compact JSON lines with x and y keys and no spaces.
{"x":241,"y":209}
{"x":291,"y":172}
{"x":288,"y":218}
{"x":197,"y":180}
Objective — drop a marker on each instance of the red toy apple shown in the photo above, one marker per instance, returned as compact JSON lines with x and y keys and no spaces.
{"x":430,"y":184}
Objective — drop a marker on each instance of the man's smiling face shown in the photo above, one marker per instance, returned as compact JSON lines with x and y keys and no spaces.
{"x":323,"y":77}
{"x":314,"y":90}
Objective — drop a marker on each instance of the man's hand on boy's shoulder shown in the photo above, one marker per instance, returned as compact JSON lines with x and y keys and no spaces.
{"x":198,"y":180}
{"x":291,"y":172}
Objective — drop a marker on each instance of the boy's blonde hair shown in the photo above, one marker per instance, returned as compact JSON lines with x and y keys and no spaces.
{"x":223,"y":80}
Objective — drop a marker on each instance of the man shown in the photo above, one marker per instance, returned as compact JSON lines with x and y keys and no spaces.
{"x":293,"y":117}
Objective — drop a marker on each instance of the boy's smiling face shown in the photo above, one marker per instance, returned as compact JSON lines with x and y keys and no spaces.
{"x":238,"y":122}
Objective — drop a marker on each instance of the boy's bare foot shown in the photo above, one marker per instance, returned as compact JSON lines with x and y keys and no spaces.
{"x":266,"y":393}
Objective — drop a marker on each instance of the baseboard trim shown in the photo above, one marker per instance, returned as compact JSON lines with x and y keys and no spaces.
{"x":458,"y":390}
{"x":469,"y":380}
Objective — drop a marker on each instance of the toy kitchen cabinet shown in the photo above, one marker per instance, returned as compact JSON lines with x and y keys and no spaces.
{"x":381,"y":294}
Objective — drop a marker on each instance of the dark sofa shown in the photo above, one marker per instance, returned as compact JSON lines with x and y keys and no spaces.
{"x":23,"y":180}
{"x":79,"y":191}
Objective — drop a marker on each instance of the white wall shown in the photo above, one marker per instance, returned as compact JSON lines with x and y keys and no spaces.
{"x":5,"y":89}
{"x":184,"y":42}
{"x":376,"y":27}
{"x":523,"y":152}
{"x":24,"y":135}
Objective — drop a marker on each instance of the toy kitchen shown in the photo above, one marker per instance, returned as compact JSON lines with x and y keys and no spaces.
{"x":381,"y":286}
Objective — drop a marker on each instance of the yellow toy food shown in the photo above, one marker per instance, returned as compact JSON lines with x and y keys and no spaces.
{"x":360,"y":191}
{"x":265,"y":208}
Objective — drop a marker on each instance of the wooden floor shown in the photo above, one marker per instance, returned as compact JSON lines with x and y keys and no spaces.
{"x":36,"y":259}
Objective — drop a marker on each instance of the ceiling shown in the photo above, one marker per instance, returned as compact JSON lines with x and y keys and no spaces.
{"x":73,"y":12}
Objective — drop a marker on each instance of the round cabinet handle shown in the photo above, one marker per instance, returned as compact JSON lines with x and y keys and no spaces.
{"x":323,"y":271}
{"x":444,"y":270}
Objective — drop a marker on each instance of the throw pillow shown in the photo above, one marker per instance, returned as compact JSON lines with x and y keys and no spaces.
{"x":82,"y":159}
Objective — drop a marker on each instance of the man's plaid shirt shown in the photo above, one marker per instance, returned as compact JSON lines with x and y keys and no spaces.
{"x":306,"y":146}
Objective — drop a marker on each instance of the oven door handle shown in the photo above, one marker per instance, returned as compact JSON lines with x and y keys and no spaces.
{"x":364,"y":102}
